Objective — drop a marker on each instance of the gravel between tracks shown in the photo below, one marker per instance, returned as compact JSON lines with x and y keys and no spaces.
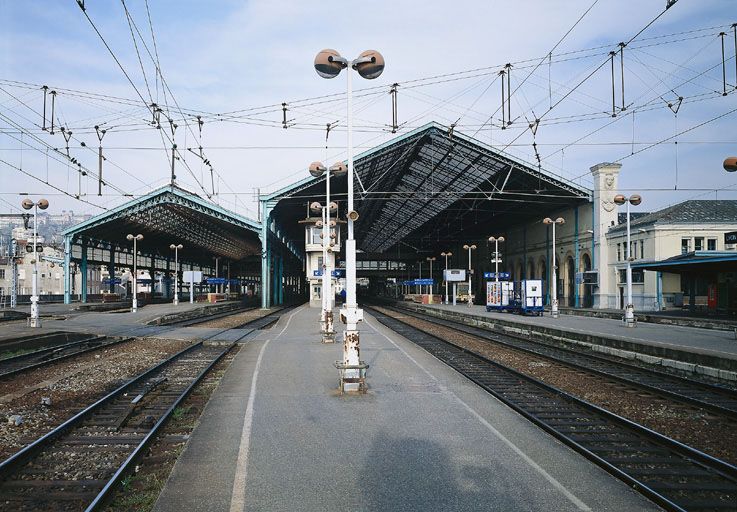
{"x":232,"y":321}
{"x":688,"y":424}
{"x":71,"y":384}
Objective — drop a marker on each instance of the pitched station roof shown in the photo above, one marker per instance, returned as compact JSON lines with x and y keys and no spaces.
{"x":432,"y":185}
{"x":173,"y":215}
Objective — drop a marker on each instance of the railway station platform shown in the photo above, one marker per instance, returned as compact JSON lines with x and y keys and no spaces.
{"x":276,"y":435}
{"x":708,"y":351}
{"x":147,"y":321}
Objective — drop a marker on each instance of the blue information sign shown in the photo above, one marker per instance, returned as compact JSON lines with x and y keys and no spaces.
{"x":492,"y":275}
{"x":216,"y":280}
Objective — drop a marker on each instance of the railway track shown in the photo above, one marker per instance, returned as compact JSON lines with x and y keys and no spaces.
{"x":711,"y":397}
{"x":669,"y":473}
{"x":24,"y":362}
{"x":75,"y":466}
{"x":79,"y":463}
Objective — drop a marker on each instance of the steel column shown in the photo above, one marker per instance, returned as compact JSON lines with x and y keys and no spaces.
{"x":83,"y":271}
{"x":576,"y":257}
{"x":67,"y":269}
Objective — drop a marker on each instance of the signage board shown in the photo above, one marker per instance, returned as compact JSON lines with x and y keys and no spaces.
{"x":192,"y":276}
{"x":108,"y":280}
{"x":216,"y":280}
{"x":493,"y":275}
{"x":454,"y":275}
{"x":730,"y":238}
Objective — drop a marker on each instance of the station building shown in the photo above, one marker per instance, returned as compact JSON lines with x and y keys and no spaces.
{"x":430,"y":191}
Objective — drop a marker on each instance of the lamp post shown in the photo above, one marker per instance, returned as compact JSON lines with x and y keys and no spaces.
{"x":317,"y":169}
{"x":176,"y":249}
{"x":629,"y":310}
{"x":446,"y":254}
{"x":370,"y":65}
{"x":496,"y":241}
{"x":431,"y":259}
{"x":469,"y":248}
{"x":27,"y":204}
{"x":135,"y":239}
{"x":554,"y":301}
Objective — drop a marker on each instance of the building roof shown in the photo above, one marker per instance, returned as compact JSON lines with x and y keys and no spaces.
{"x":699,"y":211}
{"x":173,"y":215}
{"x":430,"y":186}
{"x":694,"y":261}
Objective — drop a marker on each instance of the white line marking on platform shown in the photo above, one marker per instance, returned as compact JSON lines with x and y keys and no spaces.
{"x":560,"y":487}
{"x":238,"y":496}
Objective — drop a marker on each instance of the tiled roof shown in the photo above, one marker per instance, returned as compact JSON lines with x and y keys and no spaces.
{"x":688,"y":212}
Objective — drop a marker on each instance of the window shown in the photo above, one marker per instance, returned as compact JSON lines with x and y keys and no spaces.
{"x":315,"y":233}
{"x":698,"y":243}
{"x":619,"y":252}
{"x":685,"y":245}
{"x":642,"y":249}
{"x":711,"y":244}
{"x":2,"y":273}
{"x":638,"y":276}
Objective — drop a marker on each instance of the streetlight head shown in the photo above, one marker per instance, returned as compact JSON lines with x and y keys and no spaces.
{"x":500,"y":239}
{"x":443,"y":254}
{"x":129,"y":237}
{"x":473,"y":247}
{"x":370,"y":64}
{"x":315,"y":206}
{"x":139,"y":237}
{"x":353,"y":215}
{"x":730,"y":164}
{"x":333,"y":206}
{"x":27,"y":204}
{"x":620,"y":199}
{"x":172,"y":247}
{"x":319,"y":224}
{"x":560,"y":220}
{"x":180,"y":246}
{"x":43,"y":203}
{"x":547,"y":220}
{"x":465,"y":247}
{"x":492,"y":239}
{"x":329,"y":63}
{"x":635,"y":199}
{"x":317,"y":169}
{"x":338,"y":169}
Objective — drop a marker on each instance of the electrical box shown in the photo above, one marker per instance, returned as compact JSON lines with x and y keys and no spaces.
{"x":454,"y":275}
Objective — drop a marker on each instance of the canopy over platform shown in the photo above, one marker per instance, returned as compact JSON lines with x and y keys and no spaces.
{"x":172,"y":215}
{"x":213,"y":238}
{"x":432,"y":187}
{"x":702,"y":262}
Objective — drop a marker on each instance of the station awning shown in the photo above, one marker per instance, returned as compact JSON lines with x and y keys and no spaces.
{"x":694,"y":262}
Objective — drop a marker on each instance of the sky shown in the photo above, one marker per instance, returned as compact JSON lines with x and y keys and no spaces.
{"x":234,"y":64}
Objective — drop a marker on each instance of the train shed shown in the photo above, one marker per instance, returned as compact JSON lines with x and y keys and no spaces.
{"x":212,"y":236}
{"x":432,"y":189}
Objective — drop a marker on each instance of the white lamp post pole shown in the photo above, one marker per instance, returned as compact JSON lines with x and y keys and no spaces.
{"x":370,"y":65}
{"x":176,"y":271}
{"x":35,"y":320}
{"x":554,"y":300}
{"x":135,"y":239}
{"x":446,"y":254}
{"x":431,"y":259}
{"x":629,"y":311}
{"x":496,"y":241}
{"x":469,"y":248}
{"x":317,"y":169}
